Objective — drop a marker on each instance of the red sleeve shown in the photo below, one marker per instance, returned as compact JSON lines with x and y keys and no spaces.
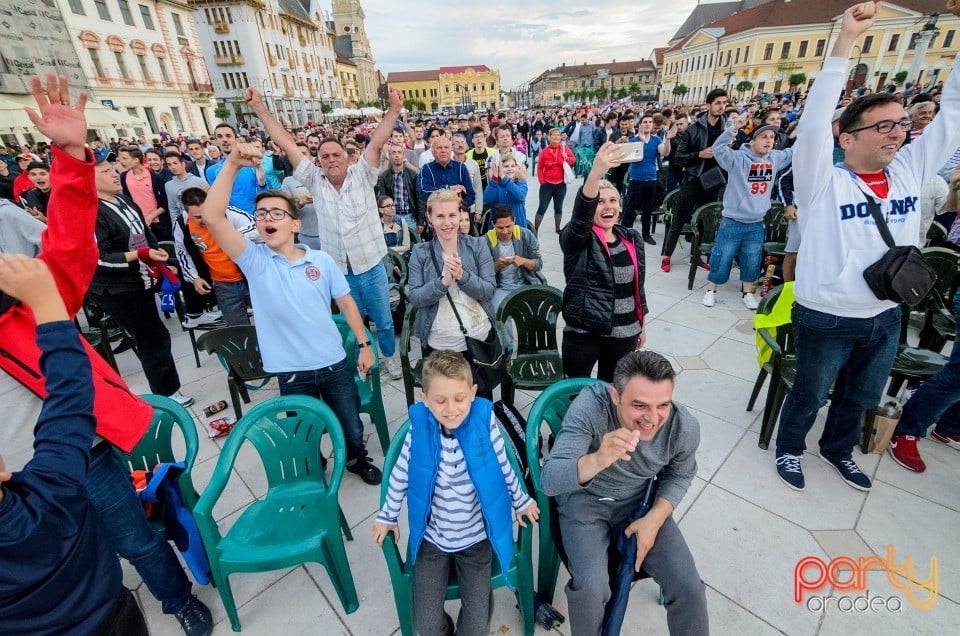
{"x":68,"y":245}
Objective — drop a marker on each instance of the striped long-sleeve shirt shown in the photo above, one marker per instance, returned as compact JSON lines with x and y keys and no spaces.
{"x":456,"y":521}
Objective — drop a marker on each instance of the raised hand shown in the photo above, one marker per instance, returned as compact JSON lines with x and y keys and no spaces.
{"x":607,"y":158}
{"x":396,"y":100}
{"x":54,"y":117}
{"x":30,"y":281}
{"x":253,"y":98}
{"x":740,"y":121}
{"x":859,"y":18}
{"x":245,"y":155}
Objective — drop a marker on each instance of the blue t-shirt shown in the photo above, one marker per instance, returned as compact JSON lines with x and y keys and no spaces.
{"x":646,"y":169}
{"x":245,"y":187}
{"x":292,"y":305}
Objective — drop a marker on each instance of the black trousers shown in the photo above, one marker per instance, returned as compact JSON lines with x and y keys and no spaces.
{"x":196,"y":303}
{"x":582,"y":350}
{"x":124,"y":619}
{"x":690,"y":197}
{"x":641,"y":197}
{"x":617,"y":176}
{"x":136,"y":313}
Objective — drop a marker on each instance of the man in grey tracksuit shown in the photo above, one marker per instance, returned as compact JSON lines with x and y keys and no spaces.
{"x":613,"y":441}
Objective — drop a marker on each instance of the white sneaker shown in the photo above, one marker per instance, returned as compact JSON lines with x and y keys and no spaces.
{"x":709,"y":298}
{"x":181,"y":399}
{"x":391,"y":367}
{"x":750,"y":300}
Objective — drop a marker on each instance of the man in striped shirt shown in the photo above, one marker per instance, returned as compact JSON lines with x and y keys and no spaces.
{"x":453,"y":470}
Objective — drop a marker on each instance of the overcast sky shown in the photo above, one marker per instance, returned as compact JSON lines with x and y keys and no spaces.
{"x":522,"y":38}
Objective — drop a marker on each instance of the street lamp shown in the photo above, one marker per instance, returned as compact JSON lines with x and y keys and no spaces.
{"x":267,"y":90}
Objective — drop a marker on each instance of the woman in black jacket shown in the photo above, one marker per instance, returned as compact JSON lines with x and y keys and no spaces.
{"x":604,"y":302}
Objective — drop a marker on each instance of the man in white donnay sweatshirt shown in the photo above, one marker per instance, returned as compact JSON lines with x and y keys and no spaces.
{"x":845,"y":336}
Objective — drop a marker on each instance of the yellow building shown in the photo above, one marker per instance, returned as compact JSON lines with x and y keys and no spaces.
{"x":768,"y":43}
{"x":349,"y":84}
{"x":460,"y":88}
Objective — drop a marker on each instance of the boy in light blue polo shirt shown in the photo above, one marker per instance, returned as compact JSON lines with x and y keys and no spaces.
{"x":291,"y":287}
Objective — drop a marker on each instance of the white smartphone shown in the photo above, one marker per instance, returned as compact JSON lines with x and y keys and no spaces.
{"x":630,"y":152}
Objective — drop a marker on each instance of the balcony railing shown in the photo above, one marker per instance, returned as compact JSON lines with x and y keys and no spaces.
{"x":221,"y":26}
{"x":227,"y":60}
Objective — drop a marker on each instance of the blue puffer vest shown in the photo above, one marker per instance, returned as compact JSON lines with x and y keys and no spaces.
{"x":482,"y":467}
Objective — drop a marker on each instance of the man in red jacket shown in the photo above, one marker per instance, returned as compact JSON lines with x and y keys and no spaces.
{"x":70,"y":252}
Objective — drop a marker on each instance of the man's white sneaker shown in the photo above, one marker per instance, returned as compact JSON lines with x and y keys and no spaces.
{"x":709,"y":298}
{"x":181,"y":399}
{"x":750,"y":300}
{"x":391,"y":367}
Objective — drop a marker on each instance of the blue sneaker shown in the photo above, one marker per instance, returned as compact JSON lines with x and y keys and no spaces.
{"x":850,"y":472}
{"x":788,"y":467}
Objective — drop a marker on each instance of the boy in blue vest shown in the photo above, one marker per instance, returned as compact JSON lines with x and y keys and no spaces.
{"x":463,"y":495}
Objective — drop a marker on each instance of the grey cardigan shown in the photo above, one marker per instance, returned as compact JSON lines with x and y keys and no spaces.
{"x":425,"y":291}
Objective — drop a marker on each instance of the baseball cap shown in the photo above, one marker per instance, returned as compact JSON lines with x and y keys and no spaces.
{"x":104,"y":155}
{"x":761,"y":129}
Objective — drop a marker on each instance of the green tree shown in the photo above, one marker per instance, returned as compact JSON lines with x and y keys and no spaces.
{"x":680,"y":90}
{"x":222,"y":112}
{"x":622,"y":93}
{"x":602,"y":93}
{"x":326,"y":109}
{"x":567,"y":95}
{"x":634,"y":88}
{"x":900,"y":77}
{"x":744,"y":86}
{"x":797,"y":79}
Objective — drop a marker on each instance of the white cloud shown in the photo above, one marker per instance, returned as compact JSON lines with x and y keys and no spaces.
{"x":520,"y":39}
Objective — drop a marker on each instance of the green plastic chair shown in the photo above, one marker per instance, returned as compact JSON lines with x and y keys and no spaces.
{"x":669,"y":207}
{"x":298,"y":520}
{"x":371,"y":395}
{"x":156,"y":447}
{"x":395,"y":265}
{"x":520,"y":573}
{"x":239,"y":351}
{"x":939,"y":325}
{"x":412,"y":371}
{"x":549,"y":408}
{"x":536,"y":364}
{"x":912,"y":364}
{"x":705,"y":223}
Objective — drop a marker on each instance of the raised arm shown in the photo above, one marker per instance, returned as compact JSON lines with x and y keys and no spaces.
{"x":384,"y":129}
{"x":276,"y":132}
{"x":67,"y":245}
{"x":214,"y":210}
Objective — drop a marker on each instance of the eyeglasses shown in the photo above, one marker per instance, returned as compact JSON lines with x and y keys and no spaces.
{"x":885,"y":126}
{"x":388,"y":205}
{"x":275,"y":214}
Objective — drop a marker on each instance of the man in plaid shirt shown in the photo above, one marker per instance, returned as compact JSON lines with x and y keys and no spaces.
{"x":348,"y":220}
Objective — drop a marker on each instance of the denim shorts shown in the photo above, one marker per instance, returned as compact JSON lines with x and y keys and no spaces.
{"x":736,"y":238}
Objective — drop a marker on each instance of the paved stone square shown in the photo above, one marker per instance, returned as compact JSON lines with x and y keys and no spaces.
{"x":745,"y":528}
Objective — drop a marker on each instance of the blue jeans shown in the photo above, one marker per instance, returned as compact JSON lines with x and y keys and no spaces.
{"x":937,"y":399}
{"x":233,"y":300}
{"x":129,"y":534}
{"x":372,"y":295}
{"x":733,"y":238}
{"x":852,"y":354}
{"x":336,"y":387}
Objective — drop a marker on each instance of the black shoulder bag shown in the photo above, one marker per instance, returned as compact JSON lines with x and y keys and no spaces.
{"x":489,"y":362}
{"x":901,"y":275}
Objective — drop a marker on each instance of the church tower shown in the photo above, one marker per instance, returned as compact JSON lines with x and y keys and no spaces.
{"x":352,"y":42}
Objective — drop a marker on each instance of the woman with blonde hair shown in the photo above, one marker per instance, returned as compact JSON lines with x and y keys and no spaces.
{"x":451,"y":281}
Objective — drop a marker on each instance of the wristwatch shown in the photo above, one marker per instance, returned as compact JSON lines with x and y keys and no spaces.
{"x":364,"y":344}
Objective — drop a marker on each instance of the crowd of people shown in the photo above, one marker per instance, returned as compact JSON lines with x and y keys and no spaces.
{"x":280,"y":228}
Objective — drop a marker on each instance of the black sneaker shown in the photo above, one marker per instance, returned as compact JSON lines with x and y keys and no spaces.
{"x":361,"y":466}
{"x":788,"y":467}
{"x":649,"y":240}
{"x":195,"y":618}
{"x":850,"y":472}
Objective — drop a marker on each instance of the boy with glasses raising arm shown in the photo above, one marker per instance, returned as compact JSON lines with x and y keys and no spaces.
{"x":291,"y":287}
